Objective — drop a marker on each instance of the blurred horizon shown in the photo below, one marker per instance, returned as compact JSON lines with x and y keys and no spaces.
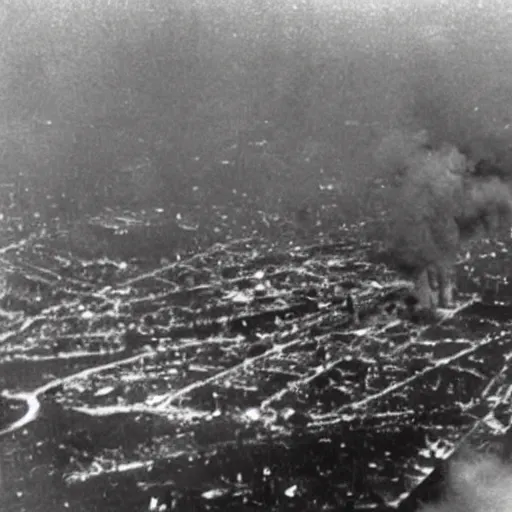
{"x":140,"y":104}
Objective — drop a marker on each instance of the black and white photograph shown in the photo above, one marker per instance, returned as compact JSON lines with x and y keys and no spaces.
{"x":256,"y":255}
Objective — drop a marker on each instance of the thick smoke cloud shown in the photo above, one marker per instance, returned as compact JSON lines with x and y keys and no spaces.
{"x":447,"y":155}
{"x":476,"y":483}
